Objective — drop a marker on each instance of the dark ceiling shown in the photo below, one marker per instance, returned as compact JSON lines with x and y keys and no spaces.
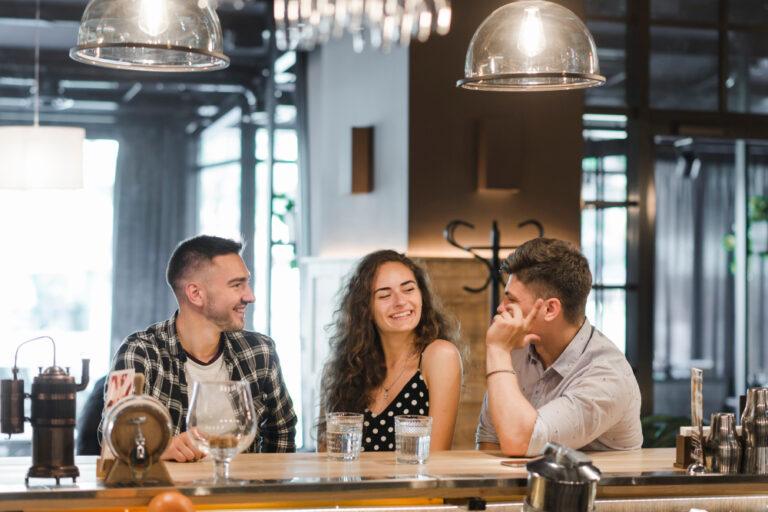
{"x":77,"y":93}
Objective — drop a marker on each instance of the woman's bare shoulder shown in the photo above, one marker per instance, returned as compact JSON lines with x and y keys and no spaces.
{"x":441,"y":363}
{"x":440,"y":352}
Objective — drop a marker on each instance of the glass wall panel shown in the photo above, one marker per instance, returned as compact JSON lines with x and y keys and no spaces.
{"x":220,"y":142}
{"x":610,"y":315}
{"x":614,"y":246}
{"x":614,"y":8}
{"x":748,"y":12}
{"x":286,"y":145}
{"x":747,"y":81}
{"x":219,"y":201}
{"x":685,"y":10}
{"x":694,"y":286}
{"x":610,"y":39}
{"x":285,"y":325}
{"x":757,"y":270}
{"x":604,"y":222}
{"x":262,"y":244}
{"x":683,"y":68}
{"x":262,"y":144}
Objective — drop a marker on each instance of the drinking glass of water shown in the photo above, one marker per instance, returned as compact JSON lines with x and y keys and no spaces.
{"x":344,"y":435}
{"x":221,"y":422}
{"x":412,"y":434}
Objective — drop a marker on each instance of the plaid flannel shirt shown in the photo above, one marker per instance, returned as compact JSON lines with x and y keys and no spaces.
{"x":250,"y":356}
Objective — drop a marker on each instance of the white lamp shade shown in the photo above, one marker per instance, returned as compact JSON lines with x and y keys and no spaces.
{"x":531,"y":45}
{"x":37,"y":157}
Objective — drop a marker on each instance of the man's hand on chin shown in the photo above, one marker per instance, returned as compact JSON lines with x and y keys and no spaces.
{"x":181,"y":449}
{"x":511,"y":329}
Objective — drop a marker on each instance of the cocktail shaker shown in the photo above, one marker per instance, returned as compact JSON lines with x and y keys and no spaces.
{"x":722,"y":448}
{"x":754,"y":427}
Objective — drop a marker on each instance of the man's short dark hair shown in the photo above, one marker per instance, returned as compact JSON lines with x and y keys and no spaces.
{"x":553,"y":268}
{"x":192,"y":253}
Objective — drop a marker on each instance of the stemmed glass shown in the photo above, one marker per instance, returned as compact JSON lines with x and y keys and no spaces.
{"x":221,"y":422}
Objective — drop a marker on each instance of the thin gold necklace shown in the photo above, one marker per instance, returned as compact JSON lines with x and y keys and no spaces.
{"x":405,"y":364}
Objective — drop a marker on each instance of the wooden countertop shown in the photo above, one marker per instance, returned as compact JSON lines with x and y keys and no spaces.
{"x":310,"y":479}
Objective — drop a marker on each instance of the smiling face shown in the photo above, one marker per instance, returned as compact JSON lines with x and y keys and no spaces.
{"x":396,"y":301}
{"x":227,"y":292}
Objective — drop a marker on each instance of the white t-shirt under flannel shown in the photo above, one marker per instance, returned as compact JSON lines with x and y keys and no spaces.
{"x":587,"y":399}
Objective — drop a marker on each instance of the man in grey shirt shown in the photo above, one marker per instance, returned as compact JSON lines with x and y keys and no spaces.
{"x":552,"y":376}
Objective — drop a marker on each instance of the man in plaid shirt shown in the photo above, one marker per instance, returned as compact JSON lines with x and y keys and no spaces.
{"x":205,"y":341}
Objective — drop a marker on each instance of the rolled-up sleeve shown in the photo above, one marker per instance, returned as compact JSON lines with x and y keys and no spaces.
{"x":486,"y":433}
{"x":583,"y":413}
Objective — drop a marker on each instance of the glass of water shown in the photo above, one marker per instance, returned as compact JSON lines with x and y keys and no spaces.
{"x":343,"y":435}
{"x":221,"y":422}
{"x":412,"y":438}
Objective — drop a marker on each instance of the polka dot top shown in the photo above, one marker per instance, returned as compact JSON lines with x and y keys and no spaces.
{"x":379,"y":429}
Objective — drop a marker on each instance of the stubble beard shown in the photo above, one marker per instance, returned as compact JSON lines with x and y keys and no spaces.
{"x":222,"y":317}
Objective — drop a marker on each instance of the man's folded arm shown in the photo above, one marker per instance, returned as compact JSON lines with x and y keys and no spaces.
{"x":580,"y":416}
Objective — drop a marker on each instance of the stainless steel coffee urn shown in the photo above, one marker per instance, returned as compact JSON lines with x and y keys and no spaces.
{"x":561,"y":480}
{"x":52,"y":417}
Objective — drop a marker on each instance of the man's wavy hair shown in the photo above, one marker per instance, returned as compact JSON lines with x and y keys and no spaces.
{"x":356,"y":365}
{"x":553,"y":268}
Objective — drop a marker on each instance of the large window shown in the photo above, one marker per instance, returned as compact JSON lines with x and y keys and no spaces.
{"x":227,"y":183}
{"x":56,"y":270}
{"x":604,"y":222}
{"x":219,"y":178}
{"x":689,"y":75}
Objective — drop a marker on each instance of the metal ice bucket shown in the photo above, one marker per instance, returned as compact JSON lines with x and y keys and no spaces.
{"x":561,"y":480}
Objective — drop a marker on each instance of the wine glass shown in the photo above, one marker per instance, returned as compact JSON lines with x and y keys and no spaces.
{"x":221,"y":422}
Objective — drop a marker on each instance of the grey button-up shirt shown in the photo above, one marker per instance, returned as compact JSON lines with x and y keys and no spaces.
{"x":587,"y":399}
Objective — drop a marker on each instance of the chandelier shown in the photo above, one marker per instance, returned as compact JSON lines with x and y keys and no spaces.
{"x":303,"y":24}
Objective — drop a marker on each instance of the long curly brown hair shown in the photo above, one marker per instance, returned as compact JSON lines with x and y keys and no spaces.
{"x":356,"y":364}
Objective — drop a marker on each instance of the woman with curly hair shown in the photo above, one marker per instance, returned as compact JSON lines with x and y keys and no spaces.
{"x":391,"y":354}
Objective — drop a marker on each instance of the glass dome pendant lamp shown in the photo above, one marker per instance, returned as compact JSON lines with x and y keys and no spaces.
{"x":151,"y":35}
{"x":531,"y":45}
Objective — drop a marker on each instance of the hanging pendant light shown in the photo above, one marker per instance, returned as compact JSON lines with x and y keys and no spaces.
{"x":40,"y":157}
{"x":151,"y":35}
{"x":531,"y":45}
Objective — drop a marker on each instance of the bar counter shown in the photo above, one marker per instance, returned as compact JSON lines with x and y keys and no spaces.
{"x":447,"y":481}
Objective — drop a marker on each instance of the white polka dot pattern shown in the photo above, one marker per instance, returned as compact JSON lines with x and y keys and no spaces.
{"x":379,"y":429}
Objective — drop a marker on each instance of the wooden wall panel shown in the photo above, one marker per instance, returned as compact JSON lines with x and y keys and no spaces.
{"x":448,"y":276}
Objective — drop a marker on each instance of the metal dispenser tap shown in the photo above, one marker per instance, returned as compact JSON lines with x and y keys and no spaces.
{"x":53,"y":416}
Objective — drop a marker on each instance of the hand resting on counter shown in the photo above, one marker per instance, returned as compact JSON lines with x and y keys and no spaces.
{"x":181,"y":449}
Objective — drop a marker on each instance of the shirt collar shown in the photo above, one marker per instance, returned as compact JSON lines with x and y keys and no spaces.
{"x":172,"y":335}
{"x":565,"y":363}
